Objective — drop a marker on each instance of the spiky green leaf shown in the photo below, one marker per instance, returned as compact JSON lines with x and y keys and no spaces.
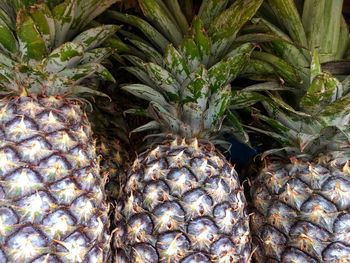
{"x":67,"y":55}
{"x":31,"y":44}
{"x":147,"y":93}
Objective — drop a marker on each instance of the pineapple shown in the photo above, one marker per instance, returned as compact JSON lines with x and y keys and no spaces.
{"x":183,"y":201}
{"x":301,"y":195}
{"x":52,"y":206}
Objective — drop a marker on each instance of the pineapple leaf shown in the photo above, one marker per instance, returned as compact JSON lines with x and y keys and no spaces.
{"x":315,"y":67}
{"x":343,"y":40}
{"x":176,"y":63}
{"x":77,"y":89}
{"x":292,"y":52}
{"x":218,"y":104}
{"x":202,"y":40}
{"x":323,"y":90}
{"x":152,"y":125}
{"x":66,"y":55}
{"x":193,"y":116}
{"x":285,"y":106}
{"x":337,"y":113}
{"x":8,"y":42}
{"x":272,"y":85}
{"x":210,"y":9}
{"x":227,"y":24}
{"x":175,"y":9}
{"x":237,"y":127}
{"x":196,"y":88}
{"x":140,"y":74}
{"x":150,"y":32}
{"x":6,"y":19}
{"x":288,"y":15}
{"x":283,"y":69}
{"x":162,"y":19}
{"x":64,"y":14}
{"x":71,"y":16}
{"x":242,"y":99}
{"x":32,"y":45}
{"x":45,"y":24}
{"x":78,"y":74}
{"x":94,"y":37}
{"x":146,"y":93}
{"x":163,"y":79}
{"x":150,"y":52}
{"x":96,"y":55}
{"x":190,"y":51}
{"x":163,"y":117}
{"x":226,"y":70}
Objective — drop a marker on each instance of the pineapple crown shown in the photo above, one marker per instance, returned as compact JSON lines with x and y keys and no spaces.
{"x":321,"y":124}
{"x":35,"y":55}
{"x":186,"y":64}
{"x":287,"y":31}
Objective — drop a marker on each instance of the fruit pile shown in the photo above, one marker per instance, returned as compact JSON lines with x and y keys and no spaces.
{"x":128,"y":131}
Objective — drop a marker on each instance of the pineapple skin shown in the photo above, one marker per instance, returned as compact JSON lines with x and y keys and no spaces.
{"x":52,"y":205}
{"x":302,"y":211}
{"x":182,"y":203}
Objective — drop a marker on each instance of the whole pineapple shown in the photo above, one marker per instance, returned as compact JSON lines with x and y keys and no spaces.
{"x":182,"y":201}
{"x":52,"y":205}
{"x":301,"y":196}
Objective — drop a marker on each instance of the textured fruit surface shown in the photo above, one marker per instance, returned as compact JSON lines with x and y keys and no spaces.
{"x":182,"y":203}
{"x":303,"y":212}
{"x":51,"y":199}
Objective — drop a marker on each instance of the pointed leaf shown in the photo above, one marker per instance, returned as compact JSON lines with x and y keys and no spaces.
{"x":149,"y":31}
{"x":32,"y":46}
{"x":210,"y":9}
{"x":152,"y":125}
{"x":85,"y":71}
{"x":161,"y":19}
{"x":230,"y":21}
{"x":190,"y":51}
{"x":337,"y":113}
{"x":315,"y":67}
{"x":323,"y":90}
{"x":287,"y":14}
{"x":146,"y":93}
{"x":202,"y":40}
{"x":141,"y":75}
{"x":242,"y":99}
{"x":284,"y":70}
{"x":150,"y":53}
{"x":8,"y":42}
{"x":163,"y":79}
{"x":196,"y":88}
{"x":67,"y":55}
{"x":96,"y":55}
{"x":94,"y":37}
{"x":193,"y":116}
{"x":45,"y":24}
{"x":227,"y":70}
{"x":218,"y":104}
{"x":237,"y":127}
{"x":176,"y":63}
{"x":175,"y":9}
{"x":167,"y":120}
